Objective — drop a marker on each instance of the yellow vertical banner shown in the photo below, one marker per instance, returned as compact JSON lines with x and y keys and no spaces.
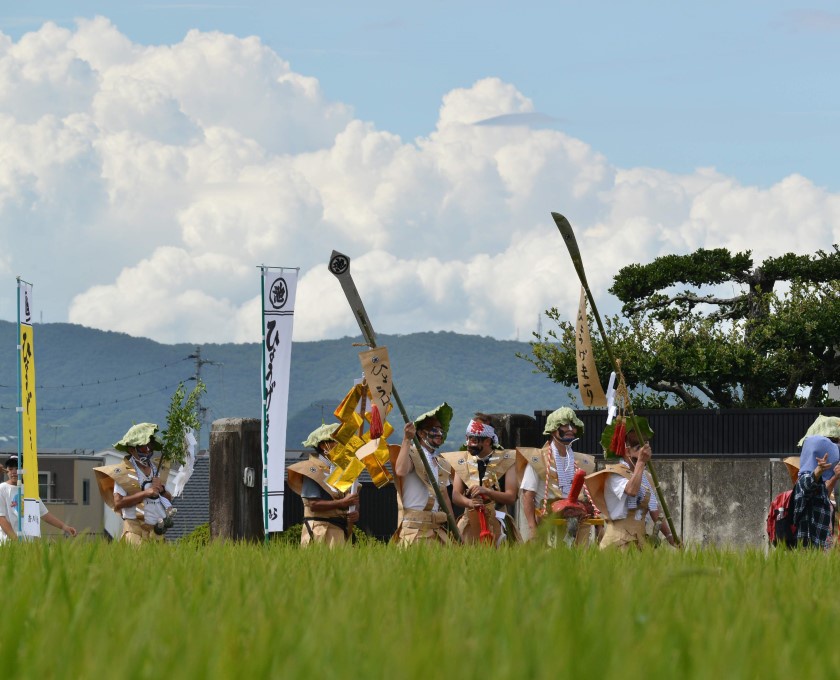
{"x":28,"y":444}
{"x":591,"y":392}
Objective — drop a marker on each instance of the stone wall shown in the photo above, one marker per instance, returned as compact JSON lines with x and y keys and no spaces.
{"x":721,"y":502}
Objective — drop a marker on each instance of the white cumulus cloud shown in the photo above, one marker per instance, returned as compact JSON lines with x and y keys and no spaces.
{"x":142,"y":186}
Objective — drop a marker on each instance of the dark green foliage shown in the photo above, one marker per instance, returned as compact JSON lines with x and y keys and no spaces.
{"x":198,"y":537}
{"x":759,"y":347}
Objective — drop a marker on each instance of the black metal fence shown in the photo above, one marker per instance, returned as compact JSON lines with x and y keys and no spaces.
{"x":710,"y":433}
{"x":700,"y":433}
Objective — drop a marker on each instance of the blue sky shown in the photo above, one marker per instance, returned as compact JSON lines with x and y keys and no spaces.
{"x":165,"y":153}
{"x":746,"y":87}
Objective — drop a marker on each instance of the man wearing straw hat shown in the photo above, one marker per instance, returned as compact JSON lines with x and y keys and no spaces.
{"x":547,"y":473}
{"x":420,"y":519}
{"x":135,"y":489}
{"x":328,"y":514}
{"x":9,"y":506}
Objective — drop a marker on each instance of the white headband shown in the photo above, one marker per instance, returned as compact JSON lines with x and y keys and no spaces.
{"x":476,"y":428}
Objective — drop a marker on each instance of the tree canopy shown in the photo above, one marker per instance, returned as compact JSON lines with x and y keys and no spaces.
{"x":712,"y":329}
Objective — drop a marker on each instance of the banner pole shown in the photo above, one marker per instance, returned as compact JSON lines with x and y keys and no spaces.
{"x":20,"y":417}
{"x":264,"y":398}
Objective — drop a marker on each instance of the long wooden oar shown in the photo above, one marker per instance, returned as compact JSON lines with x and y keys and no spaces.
{"x":574,"y":251}
{"x":340,"y":266}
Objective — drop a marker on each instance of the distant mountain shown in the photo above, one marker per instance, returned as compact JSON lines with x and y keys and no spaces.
{"x":92,"y":385}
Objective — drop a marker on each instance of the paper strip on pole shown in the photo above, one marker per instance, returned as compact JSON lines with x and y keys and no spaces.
{"x":279,"y":288}
{"x":591,"y":392}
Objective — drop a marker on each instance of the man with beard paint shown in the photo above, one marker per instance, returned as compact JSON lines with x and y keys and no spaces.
{"x":547,"y":474}
{"x":420,"y":518}
{"x":134,"y":488}
{"x":485,"y":483}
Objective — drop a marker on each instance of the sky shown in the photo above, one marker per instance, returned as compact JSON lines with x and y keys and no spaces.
{"x":153,"y":155}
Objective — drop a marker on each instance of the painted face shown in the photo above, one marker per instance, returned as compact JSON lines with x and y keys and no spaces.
{"x":477,"y":445}
{"x":143,"y":453}
{"x":565,"y":434}
{"x":432,"y":433}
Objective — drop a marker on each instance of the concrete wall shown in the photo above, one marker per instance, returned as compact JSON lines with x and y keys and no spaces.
{"x":718,"y":502}
{"x":721,"y":502}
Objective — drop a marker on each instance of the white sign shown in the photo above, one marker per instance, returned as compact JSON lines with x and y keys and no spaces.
{"x":31,"y":518}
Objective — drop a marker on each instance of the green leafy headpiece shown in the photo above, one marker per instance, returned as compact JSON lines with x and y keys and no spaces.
{"x":138,"y":435}
{"x":609,"y":433}
{"x":443,"y":413}
{"x":563,"y":416}
{"x":321,"y":434}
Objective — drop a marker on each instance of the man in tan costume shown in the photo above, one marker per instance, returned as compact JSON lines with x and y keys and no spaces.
{"x":547,"y":476}
{"x":328,"y":514}
{"x":624,"y":494}
{"x":420,"y":518}
{"x":135,"y":488}
{"x":485,"y":483}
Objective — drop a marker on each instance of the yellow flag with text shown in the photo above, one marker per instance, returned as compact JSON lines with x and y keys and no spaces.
{"x":28,"y":446}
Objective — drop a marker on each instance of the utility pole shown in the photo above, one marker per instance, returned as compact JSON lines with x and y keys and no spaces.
{"x":199,"y":362}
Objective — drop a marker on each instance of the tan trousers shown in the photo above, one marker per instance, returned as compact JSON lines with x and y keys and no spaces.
{"x":624,"y":534}
{"x":422,"y":526}
{"x":322,"y":532}
{"x":136,"y":532}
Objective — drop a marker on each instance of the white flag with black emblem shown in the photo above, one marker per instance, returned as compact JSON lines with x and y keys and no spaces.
{"x":279,"y":288}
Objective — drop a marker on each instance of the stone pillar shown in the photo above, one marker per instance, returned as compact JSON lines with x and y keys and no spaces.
{"x":236,"y":479}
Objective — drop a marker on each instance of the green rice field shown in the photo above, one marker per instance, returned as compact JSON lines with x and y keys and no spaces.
{"x":91,"y":609}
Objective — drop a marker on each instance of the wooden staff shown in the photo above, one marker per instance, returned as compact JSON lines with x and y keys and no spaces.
{"x":574,"y":251}
{"x":340,"y":266}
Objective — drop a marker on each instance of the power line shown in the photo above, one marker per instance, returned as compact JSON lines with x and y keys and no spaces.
{"x":103,"y":381}
{"x":97,"y":404}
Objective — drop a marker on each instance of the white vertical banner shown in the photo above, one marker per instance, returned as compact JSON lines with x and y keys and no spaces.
{"x":279,"y":285}
{"x":29,"y":516}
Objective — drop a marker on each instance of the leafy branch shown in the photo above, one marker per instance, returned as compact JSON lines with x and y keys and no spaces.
{"x":181,"y":417}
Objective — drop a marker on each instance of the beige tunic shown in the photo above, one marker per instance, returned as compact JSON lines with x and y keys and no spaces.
{"x":419,"y":526}
{"x":316,"y":525}
{"x":465,"y":465}
{"x":621,"y":533}
{"x":134,"y":531}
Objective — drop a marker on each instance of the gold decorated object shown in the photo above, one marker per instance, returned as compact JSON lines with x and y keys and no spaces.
{"x":355,"y":451}
{"x":343,"y":478}
{"x":374,"y":454}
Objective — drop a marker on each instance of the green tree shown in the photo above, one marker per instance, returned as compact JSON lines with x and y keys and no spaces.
{"x":773,"y":342}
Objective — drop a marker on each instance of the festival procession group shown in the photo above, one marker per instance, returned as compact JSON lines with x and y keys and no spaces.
{"x":561,"y":495}
{"x":558,"y":487}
